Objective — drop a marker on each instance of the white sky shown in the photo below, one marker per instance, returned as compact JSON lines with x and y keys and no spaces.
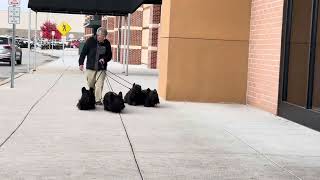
{"x":4,"y":4}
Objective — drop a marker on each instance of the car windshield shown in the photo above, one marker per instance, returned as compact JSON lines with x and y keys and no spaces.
{"x":4,"y":40}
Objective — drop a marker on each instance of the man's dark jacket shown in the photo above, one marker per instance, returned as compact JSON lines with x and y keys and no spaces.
{"x":93,"y":57}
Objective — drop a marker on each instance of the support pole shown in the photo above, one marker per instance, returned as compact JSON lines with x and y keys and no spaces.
{"x":128,"y":44}
{"x":29,"y":42}
{"x":13,"y":54}
{"x":35,"y":44}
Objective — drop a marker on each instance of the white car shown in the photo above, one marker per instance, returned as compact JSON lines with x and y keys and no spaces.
{"x":6,"y":51}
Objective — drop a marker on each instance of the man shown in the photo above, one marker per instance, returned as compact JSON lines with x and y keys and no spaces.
{"x":97,"y":49}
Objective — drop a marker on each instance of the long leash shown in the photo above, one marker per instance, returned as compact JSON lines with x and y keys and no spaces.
{"x":109,"y":84}
{"x":117,"y":82}
{"x":126,"y":131}
{"x":120,"y":77}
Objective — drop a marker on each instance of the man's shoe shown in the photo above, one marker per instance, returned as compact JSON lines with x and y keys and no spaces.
{"x":99,"y":103}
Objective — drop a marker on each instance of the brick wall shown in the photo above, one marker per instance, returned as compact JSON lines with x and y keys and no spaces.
{"x":111,"y":23}
{"x":154,"y":26}
{"x":264,"y":54}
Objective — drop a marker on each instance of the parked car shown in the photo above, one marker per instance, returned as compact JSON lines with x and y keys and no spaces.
{"x":75,"y":44}
{"x":23,"y":43}
{"x":48,"y":45}
{"x":6,"y":50}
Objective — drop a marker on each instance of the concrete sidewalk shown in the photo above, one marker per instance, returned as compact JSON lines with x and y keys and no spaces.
{"x":177,"y":140}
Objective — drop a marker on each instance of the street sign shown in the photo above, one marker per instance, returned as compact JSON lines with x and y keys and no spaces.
{"x":14,"y":2}
{"x":64,"y":28}
{"x":14,"y":15}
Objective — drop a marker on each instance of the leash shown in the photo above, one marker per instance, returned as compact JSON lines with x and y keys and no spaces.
{"x":117,"y":82}
{"x":120,"y":77}
{"x":109,"y":84}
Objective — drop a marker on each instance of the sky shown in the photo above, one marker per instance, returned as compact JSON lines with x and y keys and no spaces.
{"x":4,"y":4}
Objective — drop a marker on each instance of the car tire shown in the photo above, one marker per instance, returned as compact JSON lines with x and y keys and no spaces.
{"x":20,"y":60}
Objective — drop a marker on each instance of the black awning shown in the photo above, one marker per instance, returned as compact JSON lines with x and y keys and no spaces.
{"x":89,"y":7}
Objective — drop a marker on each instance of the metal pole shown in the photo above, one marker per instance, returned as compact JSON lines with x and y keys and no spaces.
{"x":128,"y":45}
{"x":13,"y":54}
{"x":35,"y":44}
{"x":124,"y":44}
{"x":52,"y":43}
{"x":119,"y":39}
{"x":63,"y":41}
{"x":29,"y":41}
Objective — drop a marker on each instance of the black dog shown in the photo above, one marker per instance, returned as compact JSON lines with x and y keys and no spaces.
{"x":113,"y":102}
{"x":151,"y":98}
{"x":87,"y":100}
{"x":135,"y":96}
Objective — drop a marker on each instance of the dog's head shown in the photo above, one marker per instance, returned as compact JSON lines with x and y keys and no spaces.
{"x":154,"y":97}
{"x":136,"y":88}
{"x":87,"y":99}
{"x":115,"y":102}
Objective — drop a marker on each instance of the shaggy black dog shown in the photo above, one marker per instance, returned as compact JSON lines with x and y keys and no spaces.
{"x":135,"y":96}
{"x":87,"y":100}
{"x":113,"y":102}
{"x":151,"y":98}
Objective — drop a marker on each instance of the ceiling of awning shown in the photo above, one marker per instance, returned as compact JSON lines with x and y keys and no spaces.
{"x":89,"y":7}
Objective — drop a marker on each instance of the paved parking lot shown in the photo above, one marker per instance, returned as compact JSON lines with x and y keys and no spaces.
{"x":5,"y":68}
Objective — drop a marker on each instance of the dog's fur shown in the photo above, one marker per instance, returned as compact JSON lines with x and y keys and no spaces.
{"x":134,"y":96}
{"x":113,"y":102}
{"x":87,"y":100}
{"x":146,"y":97}
{"x":151,"y":98}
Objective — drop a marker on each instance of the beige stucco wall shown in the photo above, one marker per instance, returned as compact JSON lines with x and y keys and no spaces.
{"x":204,"y":50}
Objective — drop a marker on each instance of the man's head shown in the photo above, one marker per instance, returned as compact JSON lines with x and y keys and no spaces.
{"x":101,"y":34}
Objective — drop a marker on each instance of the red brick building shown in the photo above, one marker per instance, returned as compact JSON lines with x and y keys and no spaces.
{"x":145,"y":24}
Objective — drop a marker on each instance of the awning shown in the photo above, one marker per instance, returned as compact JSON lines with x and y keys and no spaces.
{"x":89,"y":7}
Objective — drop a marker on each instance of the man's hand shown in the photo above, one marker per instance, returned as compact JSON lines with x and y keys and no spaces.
{"x":81,"y":67}
{"x":101,"y":61}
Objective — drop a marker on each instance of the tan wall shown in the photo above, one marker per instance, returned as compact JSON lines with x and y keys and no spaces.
{"x":204,"y":50}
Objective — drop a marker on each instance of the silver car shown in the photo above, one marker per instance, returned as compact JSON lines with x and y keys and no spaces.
{"x":6,"y":50}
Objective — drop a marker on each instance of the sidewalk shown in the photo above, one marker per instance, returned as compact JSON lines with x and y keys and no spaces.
{"x":176,"y":141}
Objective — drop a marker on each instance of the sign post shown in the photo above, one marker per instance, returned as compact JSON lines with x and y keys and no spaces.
{"x":52,"y":33}
{"x":64,"y":28}
{"x":13,"y":18}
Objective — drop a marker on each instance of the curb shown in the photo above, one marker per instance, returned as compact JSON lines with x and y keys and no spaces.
{"x":6,"y":81}
{"x":48,"y":54}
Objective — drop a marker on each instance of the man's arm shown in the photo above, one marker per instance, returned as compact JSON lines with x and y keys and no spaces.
{"x":84,"y":53}
{"x":108,"y":56}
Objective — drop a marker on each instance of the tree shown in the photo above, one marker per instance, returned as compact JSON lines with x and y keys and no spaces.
{"x":47,"y":29}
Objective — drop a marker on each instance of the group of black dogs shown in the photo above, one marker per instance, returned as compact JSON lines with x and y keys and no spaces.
{"x":115,"y":103}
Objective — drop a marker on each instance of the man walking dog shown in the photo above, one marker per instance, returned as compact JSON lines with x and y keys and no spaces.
{"x":97,"y":49}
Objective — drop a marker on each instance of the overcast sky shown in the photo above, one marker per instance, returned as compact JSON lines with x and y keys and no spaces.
{"x":4,"y":4}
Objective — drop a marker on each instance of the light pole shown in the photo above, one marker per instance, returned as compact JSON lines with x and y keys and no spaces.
{"x":52,"y":33}
{"x":41,"y":35}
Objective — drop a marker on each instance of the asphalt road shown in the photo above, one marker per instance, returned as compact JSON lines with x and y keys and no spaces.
{"x":5,"y":68}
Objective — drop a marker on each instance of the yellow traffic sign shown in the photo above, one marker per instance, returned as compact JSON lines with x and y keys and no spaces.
{"x":64,"y":28}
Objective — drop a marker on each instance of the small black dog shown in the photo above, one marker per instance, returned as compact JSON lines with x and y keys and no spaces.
{"x":135,"y":96}
{"x":113,"y":102}
{"x":151,"y":98}
{"x":87,"y":100}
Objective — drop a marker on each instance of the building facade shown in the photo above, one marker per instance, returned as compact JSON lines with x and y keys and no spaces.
{"x":144,"y":28}
{"x":262,"y":53}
